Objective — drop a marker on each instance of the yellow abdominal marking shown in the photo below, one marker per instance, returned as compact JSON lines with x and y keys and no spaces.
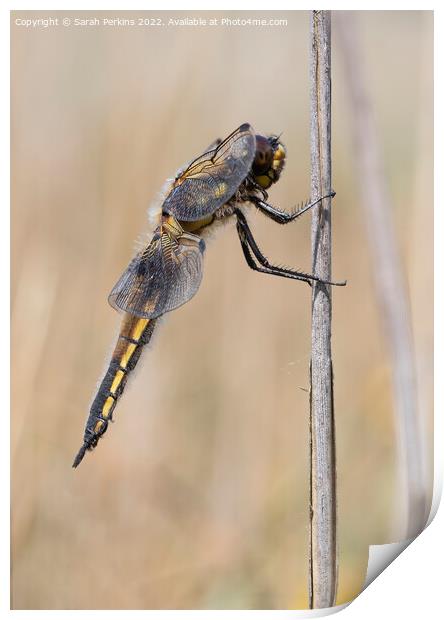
{"x":127,"y":355}
{"x":107,"y":406}
{"x":129,"y":351}
{"x":136,"y":334}
{"x":138,"y":328}
{"x":98,"y":426}
{"x":116,"y":382}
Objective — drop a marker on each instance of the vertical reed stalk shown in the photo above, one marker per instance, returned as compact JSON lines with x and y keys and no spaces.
{"x":323,"y":561}
{"x":390,"y":282}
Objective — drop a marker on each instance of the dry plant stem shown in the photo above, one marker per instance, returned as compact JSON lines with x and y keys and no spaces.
{"x":390,"y":285}
{"x":323,"y":561}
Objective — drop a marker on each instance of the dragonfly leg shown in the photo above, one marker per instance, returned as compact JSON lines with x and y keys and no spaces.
{"x":250,"y":246}
{"x":282,"y":217}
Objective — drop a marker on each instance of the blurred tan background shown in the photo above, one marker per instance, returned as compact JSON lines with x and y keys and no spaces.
{"x":198,"y":495}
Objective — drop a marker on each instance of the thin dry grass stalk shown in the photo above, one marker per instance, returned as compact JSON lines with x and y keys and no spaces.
{"x":323,"y":562}
{"x":390,"y":283}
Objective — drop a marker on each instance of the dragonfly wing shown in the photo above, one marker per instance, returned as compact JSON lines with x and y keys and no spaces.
{"x":161,"y":278}
{"x":213,"y":178}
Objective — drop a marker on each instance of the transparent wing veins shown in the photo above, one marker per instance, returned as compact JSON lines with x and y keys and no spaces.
{"x":163,"y":277}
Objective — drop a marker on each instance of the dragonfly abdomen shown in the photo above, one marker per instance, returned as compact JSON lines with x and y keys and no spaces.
{"x":134,"y":334}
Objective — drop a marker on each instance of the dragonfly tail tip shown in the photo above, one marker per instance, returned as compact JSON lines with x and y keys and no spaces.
{"x":80,"y":455}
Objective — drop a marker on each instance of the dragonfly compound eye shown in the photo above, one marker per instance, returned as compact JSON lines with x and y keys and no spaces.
{"x":263,"y":158}
{"x":268,"y":161}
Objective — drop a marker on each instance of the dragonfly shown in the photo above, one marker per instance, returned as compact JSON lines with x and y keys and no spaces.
{"x":214,"y":188}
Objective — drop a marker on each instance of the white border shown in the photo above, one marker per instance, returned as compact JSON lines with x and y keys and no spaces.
{"x":410,"y":585}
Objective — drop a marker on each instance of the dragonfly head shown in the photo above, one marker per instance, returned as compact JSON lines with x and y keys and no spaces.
{"x":269,"y":160}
